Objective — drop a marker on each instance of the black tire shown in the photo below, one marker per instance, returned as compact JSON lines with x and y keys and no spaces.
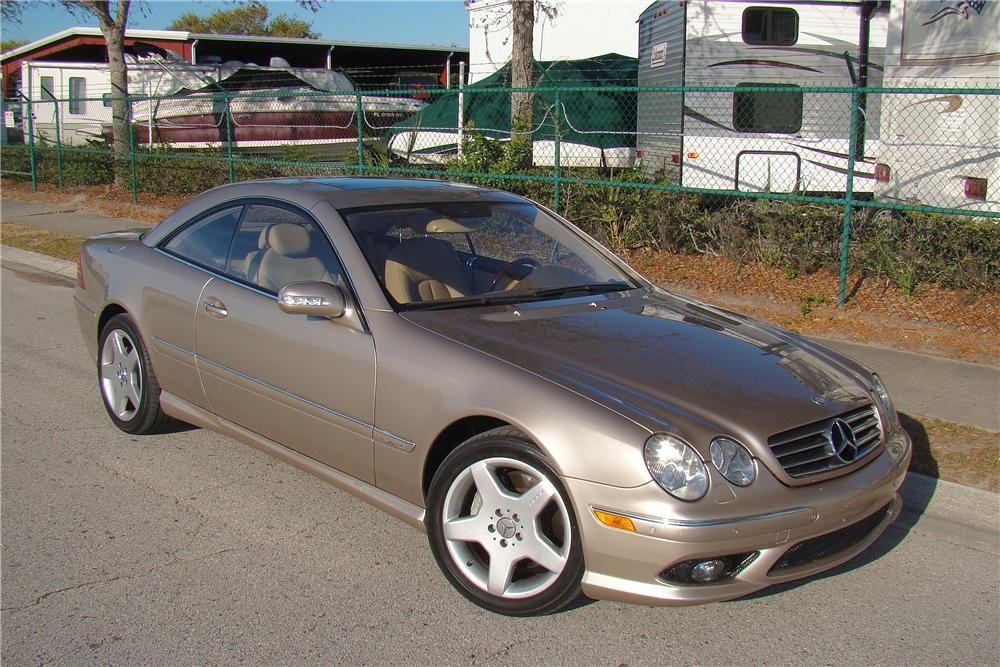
{"x":506,"y":443}
{"x":147,"y":417}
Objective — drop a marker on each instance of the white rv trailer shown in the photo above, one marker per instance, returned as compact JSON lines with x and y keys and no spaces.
{"x":942,"y":149}
{"x":773,"y":141}
{"x":564,"y":30}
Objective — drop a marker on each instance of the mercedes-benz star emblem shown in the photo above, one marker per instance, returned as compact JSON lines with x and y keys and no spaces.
{"x":842,"y":442}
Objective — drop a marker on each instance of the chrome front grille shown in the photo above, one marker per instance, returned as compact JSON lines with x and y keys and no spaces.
{"x":812,"y":450}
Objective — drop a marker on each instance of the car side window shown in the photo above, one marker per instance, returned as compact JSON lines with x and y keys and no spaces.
{"x":274,"y":247}
{"x":206,"y":241}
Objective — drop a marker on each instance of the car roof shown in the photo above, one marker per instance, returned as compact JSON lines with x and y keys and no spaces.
{"x":342,"y":192}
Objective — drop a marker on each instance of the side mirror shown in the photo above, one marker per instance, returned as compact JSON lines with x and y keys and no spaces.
{"x":313,"y":298}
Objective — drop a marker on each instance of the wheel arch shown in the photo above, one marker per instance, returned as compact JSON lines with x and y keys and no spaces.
{"x":109,"y":311}
{"x":451,"y":437}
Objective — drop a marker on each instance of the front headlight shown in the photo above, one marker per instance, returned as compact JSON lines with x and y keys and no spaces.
{"x":734,"y":461}
{"x":676,"y":467}
{"x":883,"y":397}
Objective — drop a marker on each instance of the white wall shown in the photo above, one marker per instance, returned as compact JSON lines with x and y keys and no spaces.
{"x":579,"y":29}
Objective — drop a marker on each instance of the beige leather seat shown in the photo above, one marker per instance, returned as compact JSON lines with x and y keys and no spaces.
{"x":425,"y":269}
{"x":252,"y":262}
{"x":291,"y":258}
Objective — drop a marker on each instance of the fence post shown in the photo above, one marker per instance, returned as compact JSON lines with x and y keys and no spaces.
{"x":557,"y":174}
{"x":461,"y":106}
{"x":845,"y":233}
{"x":59,"y":178}
{"x":229,"y":138}
{"x":31,"y":144}
{"x":359,"y":116}
{"x":131,"y":147}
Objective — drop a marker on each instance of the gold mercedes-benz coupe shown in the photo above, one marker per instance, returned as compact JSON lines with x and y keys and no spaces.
{"x":477,"y":366}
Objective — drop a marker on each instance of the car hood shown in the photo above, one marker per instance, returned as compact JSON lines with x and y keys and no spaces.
{"x":666,"y":362}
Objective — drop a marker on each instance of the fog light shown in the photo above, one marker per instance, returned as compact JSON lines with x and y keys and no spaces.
{"x":708,"y":571}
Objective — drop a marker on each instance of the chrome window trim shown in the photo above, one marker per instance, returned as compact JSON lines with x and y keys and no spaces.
{"x":399,"y":442}
{"x":709,"y":523}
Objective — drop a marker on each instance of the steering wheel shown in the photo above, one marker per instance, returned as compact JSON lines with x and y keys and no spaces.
{"x":511,"y":270}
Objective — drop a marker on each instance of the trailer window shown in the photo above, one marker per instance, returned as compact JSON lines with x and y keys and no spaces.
{"x":772,"y":26}
{"x":767,"y":111}
{"x":48,"y":88}
{"x":77,"y":94}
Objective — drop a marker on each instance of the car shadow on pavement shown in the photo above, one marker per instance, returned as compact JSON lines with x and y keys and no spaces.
{"x":916,"y":491}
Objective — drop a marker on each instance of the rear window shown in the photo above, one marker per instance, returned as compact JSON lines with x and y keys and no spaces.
{"x":774,"y":111}
{"x":770,"y":26}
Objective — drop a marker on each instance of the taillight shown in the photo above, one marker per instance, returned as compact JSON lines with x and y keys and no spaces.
{"x":79,"y":273}
{"x":975,"y":188}
{"x":882,"y":173}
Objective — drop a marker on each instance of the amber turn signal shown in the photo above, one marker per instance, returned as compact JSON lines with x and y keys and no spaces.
{"x":615,"y":520}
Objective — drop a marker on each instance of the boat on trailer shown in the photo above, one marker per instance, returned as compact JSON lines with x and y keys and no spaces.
{"x":266,"y":110}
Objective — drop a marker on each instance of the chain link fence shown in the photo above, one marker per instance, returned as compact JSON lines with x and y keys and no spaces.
{"x":898,"y":185}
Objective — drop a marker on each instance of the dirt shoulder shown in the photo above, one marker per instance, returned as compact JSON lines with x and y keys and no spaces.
{"x":946,"y":323}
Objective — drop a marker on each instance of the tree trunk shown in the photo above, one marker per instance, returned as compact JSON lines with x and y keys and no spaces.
{"x":113,"y":29}
{"x":522,"y":67}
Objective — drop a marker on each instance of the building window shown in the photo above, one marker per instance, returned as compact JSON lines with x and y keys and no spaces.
{"x":48,"y":88}
{"x":77,"y":95}
{"x":106,"y":98}
{"x":768,"y":111}
{"x":770,"y":26}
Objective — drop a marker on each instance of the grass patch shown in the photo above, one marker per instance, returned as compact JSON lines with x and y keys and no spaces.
{"x":954,"y":452}
{"x":45,"y":241}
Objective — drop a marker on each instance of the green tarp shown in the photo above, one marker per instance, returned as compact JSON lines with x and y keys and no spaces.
{"x":594,"y":118}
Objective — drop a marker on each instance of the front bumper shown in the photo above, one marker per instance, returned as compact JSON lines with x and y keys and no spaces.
{"x":627,"y":566}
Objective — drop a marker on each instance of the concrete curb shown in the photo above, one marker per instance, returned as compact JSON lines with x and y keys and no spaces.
{"x":39,"y":261}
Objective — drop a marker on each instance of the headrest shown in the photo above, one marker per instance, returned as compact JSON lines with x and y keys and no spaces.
{"x":289,"y":239}
{"x":444,"y":226}
{"x":262,"y":239}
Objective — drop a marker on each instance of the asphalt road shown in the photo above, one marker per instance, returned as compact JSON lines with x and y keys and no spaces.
{"x":193,"y":548}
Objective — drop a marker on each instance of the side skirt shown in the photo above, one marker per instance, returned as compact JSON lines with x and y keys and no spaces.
{"x":401,"y":509}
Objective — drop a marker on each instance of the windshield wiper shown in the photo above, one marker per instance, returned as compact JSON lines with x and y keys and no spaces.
{"x":466,"y":302}
{"x":589,"y":288}
{"x":503,"y":298}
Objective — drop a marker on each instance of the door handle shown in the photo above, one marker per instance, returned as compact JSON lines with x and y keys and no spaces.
{"x":215,"y":307}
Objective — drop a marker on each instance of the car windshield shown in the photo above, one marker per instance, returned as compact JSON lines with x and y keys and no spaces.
{"x":459,"y":254}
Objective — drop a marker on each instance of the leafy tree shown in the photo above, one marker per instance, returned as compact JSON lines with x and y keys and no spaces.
{"x":252,"y":18}
{"x":11,"y":44}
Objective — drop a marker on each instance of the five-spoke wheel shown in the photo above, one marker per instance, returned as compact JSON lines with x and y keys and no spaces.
{"x":121,"y":374}
{"x":502,"y":527}
{"x":128,"y":384}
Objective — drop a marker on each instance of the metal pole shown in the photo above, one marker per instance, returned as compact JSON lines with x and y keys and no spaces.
{"x":359,"y":116}
{"x":461,"y":105}
{"x":229,"y":139}
{"x":31,"y":144}
{"x":59,"y":179}
{"x":845,"y":233}
{"x":558,"y":141}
